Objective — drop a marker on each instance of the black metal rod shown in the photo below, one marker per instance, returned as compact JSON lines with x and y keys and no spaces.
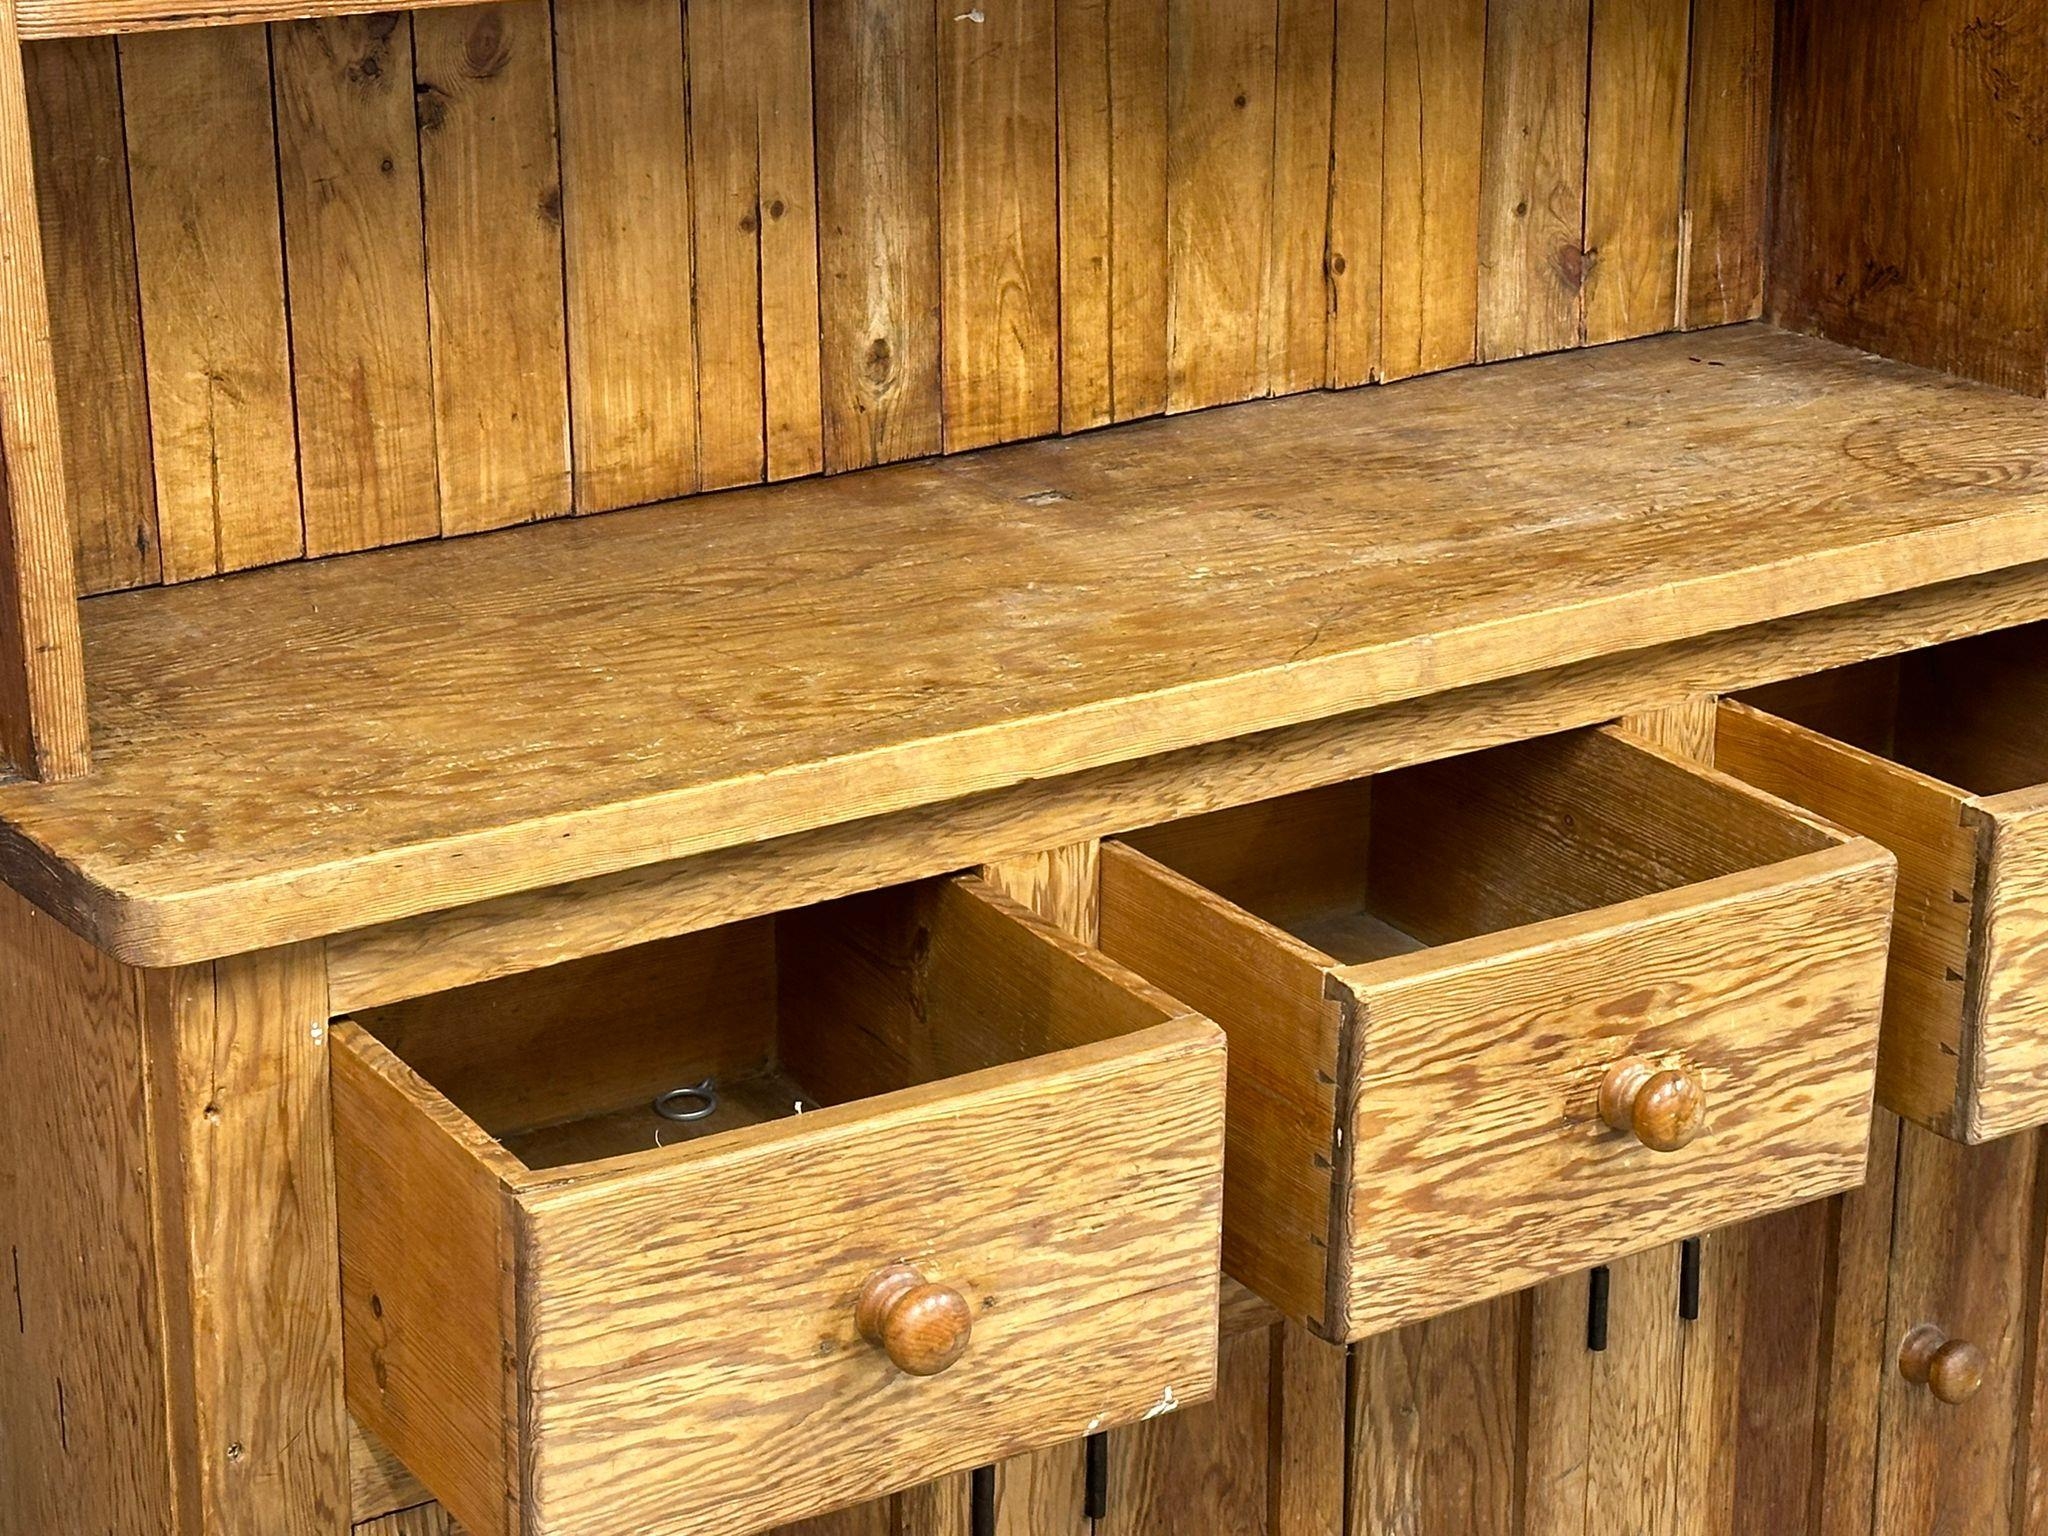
{"x":1095,"y":1501}
{"x":1689,"y":1279}
{"x":982,"y":1516}
{"x":1596,"y":1309}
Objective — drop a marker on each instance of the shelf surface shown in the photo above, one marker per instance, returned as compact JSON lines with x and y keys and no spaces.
{"x":324,"y":746}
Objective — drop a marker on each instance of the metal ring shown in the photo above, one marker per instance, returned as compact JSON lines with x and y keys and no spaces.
{"x":696,"y":1102}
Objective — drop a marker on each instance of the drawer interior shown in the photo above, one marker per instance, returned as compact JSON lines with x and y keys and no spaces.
{"x":772,"y":1016}
{"x":1973,"y":713}
{"x":1451,"y":850}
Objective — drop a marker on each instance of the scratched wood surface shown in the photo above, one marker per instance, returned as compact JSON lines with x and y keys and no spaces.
{"x":1098,"y":605}
{"x":830,"y":234}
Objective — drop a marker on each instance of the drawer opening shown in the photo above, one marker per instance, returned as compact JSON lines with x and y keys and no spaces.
{"x":1973,"y":713}
{"x":771,"y":1017}
{"x":1430,"y":855}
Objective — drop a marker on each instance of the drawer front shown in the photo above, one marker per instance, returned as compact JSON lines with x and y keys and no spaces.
{"x":1478,"y":1161}
{"x":691,"y":1359}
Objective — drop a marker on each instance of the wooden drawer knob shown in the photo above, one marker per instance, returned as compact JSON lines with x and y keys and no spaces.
{"x":1662,"y":1107}
{"x":1952,"y":1369}
{"x":920,"y":1326}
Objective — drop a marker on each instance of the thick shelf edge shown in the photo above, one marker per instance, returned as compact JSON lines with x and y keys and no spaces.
{"x":44,"y":19}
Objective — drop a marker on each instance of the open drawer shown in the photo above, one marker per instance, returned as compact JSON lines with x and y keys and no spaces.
{"x":1509,"y":1015}
{"x":992,"y":1225}
{"x":1942,"y":756}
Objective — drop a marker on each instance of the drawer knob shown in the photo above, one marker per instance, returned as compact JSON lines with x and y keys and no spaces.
{"x":1952,"y":1369}
{"x":1662,"y":1107}
{"x":922,"y":1327}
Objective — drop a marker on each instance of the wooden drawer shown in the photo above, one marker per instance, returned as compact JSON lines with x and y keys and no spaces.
{"x":1942,"y":756}
{"x":563,"y":1326}
{"x":1428,"y":977}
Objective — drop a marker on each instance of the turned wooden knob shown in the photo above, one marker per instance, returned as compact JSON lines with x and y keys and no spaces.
{"x":1952,"y":1369}
{"x":920,"y":1326}
{"x":1662,"y":1107}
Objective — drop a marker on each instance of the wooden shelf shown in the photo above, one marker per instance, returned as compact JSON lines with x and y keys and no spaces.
{"x":324,"y":746}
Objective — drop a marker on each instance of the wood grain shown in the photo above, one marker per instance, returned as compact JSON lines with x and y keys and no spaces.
{"x":1937,"y":252}
{"x":348,"y":156}
{"x":484,"y":95}
{"x":1789,"y":1078}
{"x":1727,"y":155}
{"x":754,"y":180}
{"x":43,"y":729}
{"x":999,"y":265}
{"x":1113,"y":198}
{"x":1358,"y":122}
{"x":1532,"y":188}
{"x":1635,"y":166}
{"x":626,"y":223}
{"x":1294,"y":293}
{"x":86,"y":1362}
{"x":202,"y":154}
{"x":878,"y":222}
{"x":964,"y":686}
{"x":1220,"y":81}
{"x":75,"y":116}
{"x":1435,"y":120}
{"x":239,"y":1108}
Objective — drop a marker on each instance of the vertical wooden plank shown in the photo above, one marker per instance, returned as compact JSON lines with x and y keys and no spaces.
{"x":876,"y":71}
{"x":1854,"y":1335}
{"x":1357,"y":162}
{"x":239,"y":1109}
{"x":1112,"y":185}
{"x":756,"y":232}
{"x":43,"y":730}
{"x":1219,"y":117}
{"x":998,"y":221}
{"x":82,"y":1350}
{"x":1294,"y":308}
{"x":1727,"y":160}
{"x":1710,"y":1426}
{"x":88,"y":231}
{"x":348,"y":150}
{"x":1532,"y":184}
{"x":1635,"y":166}
{"x":1043,"y":1493}
{"x":626,"y":232}
{"x":202,"y":158}
{"x":1962,"y":1229}
{"x":1435,"y":111}
{"x":485,"y":99}
{"x":1636,"y":1380}
{"x":1557,"y":1450}
{"x":1436,"y":1446}
{"x":1204,"y":1468}
{"x":1309,"y":1383}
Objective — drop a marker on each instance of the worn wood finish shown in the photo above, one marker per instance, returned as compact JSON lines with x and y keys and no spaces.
{"x":484,"y":97}
{"x":87,"y":1359}
{"x":1727,"y":150}
{"x":980,"y":1167}
{"x":82,"y":190}
{"x":511,"y":934}
{"x":1635,"y":159}
{"x":202,"y":156}
{"x":43,"y":729}
{"x":1964,"y":1050}
{"x":1352,"y":262}
{"x":1395,"y":1135}
{"x":349,"y":160}
{"x":239,"y":1107}
{"x":383,"y":819}
{"x":1937,"y":252}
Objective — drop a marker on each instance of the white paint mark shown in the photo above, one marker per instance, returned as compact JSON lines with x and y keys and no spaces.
{"x":974,"y":16}
{"x":1166,"y":1404}
{"x":1094,"y":1424}
{"x":319,"y":1034}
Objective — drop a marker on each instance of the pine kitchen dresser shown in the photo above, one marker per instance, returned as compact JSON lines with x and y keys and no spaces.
{"x":1054,"y":768}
